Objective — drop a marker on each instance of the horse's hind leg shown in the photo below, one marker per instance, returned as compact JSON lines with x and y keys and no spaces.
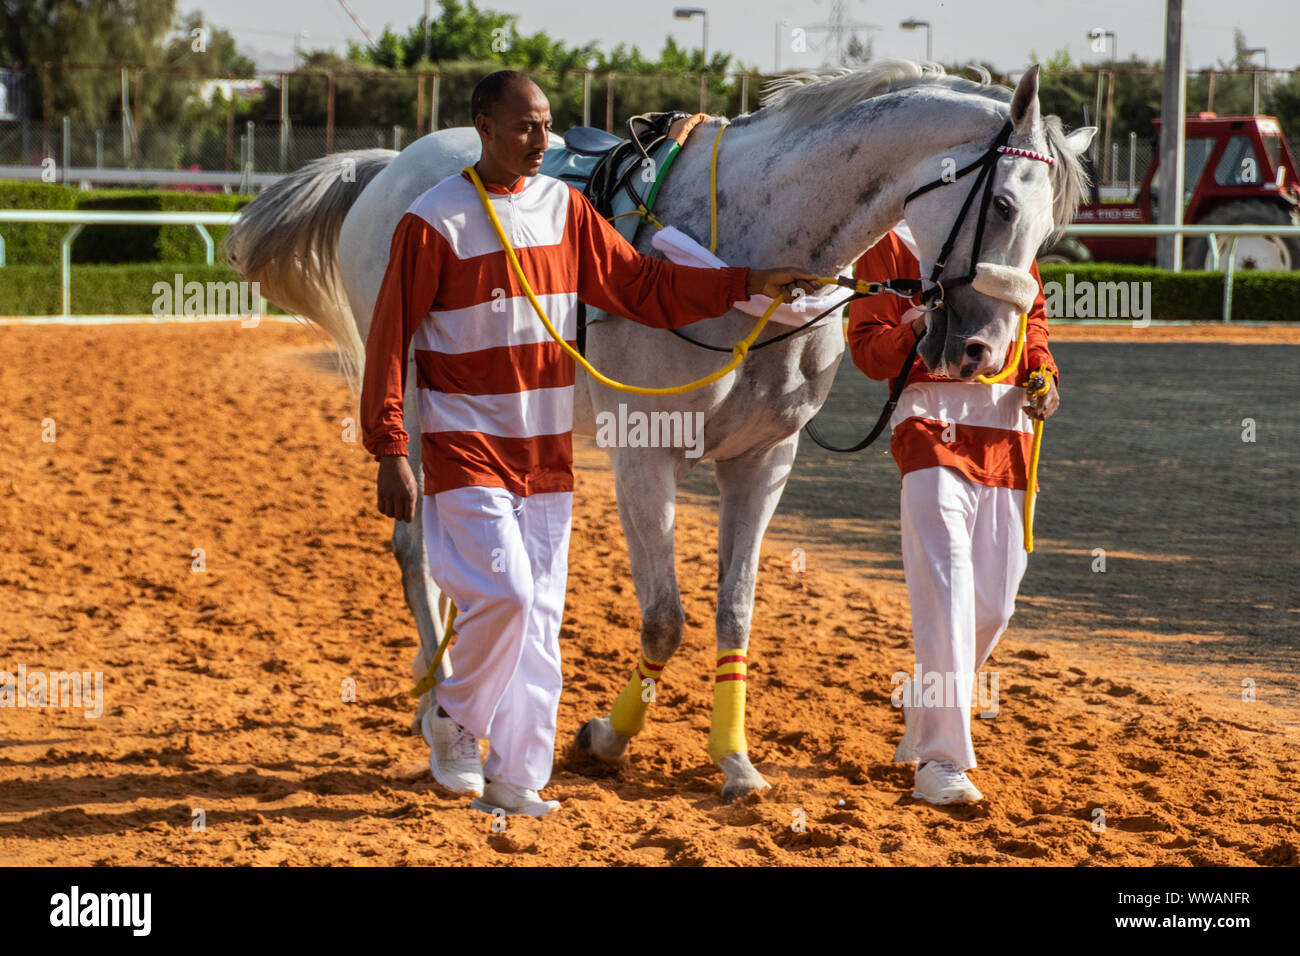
{"x":750,"y":487}
{"x":646,"y":486}
{"x":428,"y":605}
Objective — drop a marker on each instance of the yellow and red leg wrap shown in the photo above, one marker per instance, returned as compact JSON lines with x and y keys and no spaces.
{"x":627,"y":716}
{"x":727,"y":732}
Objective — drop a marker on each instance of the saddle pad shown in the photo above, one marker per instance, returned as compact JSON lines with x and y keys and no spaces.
{"x":564,"y":164}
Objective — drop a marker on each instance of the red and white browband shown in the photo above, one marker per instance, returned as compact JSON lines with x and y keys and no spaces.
{"x":1027,"y":153}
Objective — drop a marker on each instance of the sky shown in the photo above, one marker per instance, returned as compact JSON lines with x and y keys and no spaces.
{"x":1003,"y":32}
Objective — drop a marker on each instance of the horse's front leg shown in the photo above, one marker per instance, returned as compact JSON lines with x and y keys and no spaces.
{"x":646,"y":484}
{"x":750,"y":487}
{"x":429,"y":606}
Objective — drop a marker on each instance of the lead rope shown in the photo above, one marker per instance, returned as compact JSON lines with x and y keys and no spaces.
{"x":739,"y":349}
{"x":1037,"y":386}
{"x":427,"y":682}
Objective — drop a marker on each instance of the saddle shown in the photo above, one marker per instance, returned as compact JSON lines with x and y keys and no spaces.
{"x":620,"y":176}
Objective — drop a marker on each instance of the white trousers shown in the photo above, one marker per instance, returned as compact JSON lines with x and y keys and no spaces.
{"x":503,"y":559}
{"x":963,"y":556}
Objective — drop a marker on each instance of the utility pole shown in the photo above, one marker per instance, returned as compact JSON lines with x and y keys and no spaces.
{"x":1173,"y":111}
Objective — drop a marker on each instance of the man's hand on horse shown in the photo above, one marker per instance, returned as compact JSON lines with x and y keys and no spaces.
{"x":783,"y":281}
{"x":397,"y":488}
{"x":1048,"y":404}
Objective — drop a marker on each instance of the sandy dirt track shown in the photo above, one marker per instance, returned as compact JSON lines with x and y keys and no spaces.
{"x":223,"y":688}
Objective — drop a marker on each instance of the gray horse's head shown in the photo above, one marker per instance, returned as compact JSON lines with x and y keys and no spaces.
{"x":1029,"y":198}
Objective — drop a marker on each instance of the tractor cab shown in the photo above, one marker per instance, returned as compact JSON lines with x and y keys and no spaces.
{"x":1238,"y":170}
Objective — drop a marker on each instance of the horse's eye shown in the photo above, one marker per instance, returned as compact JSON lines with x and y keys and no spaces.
{"x":1003,"y":207}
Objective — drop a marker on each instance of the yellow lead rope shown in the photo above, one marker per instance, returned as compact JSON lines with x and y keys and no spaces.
{"x":1035,"y":390}
{"x":1035,"y":393}
{"x":739,"y":349}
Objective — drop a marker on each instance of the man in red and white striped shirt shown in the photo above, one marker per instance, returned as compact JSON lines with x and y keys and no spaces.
{"x":962,"y":451}
{"x":496,"y":414}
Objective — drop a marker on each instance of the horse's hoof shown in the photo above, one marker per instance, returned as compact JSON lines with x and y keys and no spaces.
{"x":742,"y":778}
{"x":598,"y":738}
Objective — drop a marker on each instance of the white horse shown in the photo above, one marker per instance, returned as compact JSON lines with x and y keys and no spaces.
{"x":814,"y":178}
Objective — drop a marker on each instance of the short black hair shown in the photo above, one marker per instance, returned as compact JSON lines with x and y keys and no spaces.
{"x":490,"y":90}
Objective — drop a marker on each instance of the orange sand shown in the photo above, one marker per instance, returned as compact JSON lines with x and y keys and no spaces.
{"x":223,"y":687}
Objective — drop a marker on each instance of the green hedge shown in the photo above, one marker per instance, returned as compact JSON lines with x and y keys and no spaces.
{"x":128,"y":289}
{"x":38,"y":244}
{"x":100,"y":290}
{"x":1192,"y":296}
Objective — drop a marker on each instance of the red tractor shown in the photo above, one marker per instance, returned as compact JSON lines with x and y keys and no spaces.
{"x":1239,"y":171}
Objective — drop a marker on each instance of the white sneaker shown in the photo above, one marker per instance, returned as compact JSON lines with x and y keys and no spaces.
{"x":513,"y":800}
{"x":453,"y":754}
{"x":940,"y":783}
{"x":906,"y":751}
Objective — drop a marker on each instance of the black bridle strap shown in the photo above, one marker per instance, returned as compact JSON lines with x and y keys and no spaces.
{"x":948,"y":244}
{"x":885,"y":414}
{"x":935,"y":184}
{"x":985,"y":164}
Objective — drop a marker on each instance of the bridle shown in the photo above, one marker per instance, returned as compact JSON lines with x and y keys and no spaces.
{"x":933,"y":298}
{"x":986,"y":163}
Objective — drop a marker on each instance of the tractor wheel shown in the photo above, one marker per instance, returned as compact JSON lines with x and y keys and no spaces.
{"x":1253,"y":252}
{"x":1065,"y":251}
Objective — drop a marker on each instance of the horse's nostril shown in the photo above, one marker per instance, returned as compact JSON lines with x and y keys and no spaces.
{"x":974,"y":351}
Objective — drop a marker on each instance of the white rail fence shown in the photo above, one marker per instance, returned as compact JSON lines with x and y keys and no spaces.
{"x":1211,"y":233}
{"x":78,"y":220}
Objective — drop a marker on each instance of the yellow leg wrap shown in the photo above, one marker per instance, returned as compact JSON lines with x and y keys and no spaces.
{"x":727,"y":733}
{"x":627,"y":716}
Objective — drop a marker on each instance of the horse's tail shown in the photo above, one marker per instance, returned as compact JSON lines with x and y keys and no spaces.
{"x":287,"y":241}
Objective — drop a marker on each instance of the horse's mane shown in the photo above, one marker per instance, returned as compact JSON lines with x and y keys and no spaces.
{"x":802,"y":99}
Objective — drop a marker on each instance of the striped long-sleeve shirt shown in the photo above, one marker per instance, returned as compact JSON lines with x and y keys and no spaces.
{"x":980,"y":430}
{"x":495,"y":391}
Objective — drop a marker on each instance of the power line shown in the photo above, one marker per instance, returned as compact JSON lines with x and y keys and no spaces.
{"x":841,"y":30}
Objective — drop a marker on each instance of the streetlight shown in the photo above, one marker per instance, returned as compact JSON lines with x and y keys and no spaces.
{"x":913,"y":24}
{"x":776,"y":43}
{"x":1102,"y":35}
{"x":688,"y":13}
{"x":1106,"y":34}
{"x":1252,"y":51}
{"x":306,"y":35}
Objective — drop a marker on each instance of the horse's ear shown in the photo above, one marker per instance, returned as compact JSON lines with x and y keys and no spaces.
{"x":1078,"y":140}
{"x":1024,"y":103}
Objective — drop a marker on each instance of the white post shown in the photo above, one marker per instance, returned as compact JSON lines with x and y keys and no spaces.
{"x":1132,"y":163}
{"x":126,"y":122}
